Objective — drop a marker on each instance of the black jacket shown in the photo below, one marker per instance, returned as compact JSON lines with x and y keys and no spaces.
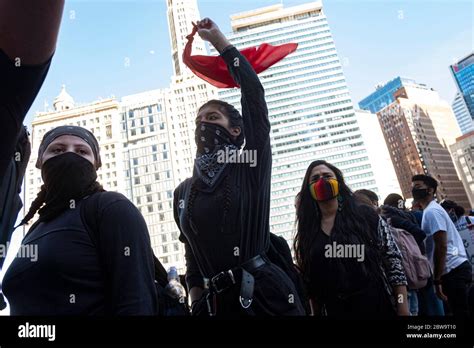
{"x":69,"y":275}
{"x":406,"y":221}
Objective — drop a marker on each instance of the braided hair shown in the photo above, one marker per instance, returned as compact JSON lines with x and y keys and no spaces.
{"x":45,"y":214}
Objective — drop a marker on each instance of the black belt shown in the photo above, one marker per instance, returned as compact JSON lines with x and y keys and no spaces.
{"x":240,"y":274}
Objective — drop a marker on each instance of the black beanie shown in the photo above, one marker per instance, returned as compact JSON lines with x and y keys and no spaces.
{"x":80,"y":132}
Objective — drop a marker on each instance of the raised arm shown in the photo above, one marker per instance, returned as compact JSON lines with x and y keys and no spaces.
{"x":29,"y":29}
{"x":254,"y":107}
{"x":28,"y":33}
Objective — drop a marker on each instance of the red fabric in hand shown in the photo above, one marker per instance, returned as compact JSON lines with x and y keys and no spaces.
{"x":213,"y":69}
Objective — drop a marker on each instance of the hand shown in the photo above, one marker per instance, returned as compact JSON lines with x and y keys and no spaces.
{"x":439,"y":292}
{"x":209,"y":31}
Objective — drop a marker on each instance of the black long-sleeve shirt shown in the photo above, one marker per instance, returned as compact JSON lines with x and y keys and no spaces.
{"x":218,"y":243}
{"x":73,"y":276}
{"x":210,"y":248}
{"x":19,"y":85}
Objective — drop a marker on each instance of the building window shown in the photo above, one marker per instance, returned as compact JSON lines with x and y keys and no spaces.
{"x":137,"y":181}
{"x":148,"y":198}
{"x":148,"y":188}
{"x":130,"y":113}
{"x":135,"y":161}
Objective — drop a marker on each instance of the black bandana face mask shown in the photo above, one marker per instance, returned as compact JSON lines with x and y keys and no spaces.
{"x":210,"y":140}
{"x":66,"y":177}
{"x":211,"y":135}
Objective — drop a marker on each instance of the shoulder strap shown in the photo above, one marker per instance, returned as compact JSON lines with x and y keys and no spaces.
{"x":90,"y":218}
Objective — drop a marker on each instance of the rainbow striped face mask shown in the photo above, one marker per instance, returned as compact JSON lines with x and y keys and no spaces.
{"x":324,"y":189}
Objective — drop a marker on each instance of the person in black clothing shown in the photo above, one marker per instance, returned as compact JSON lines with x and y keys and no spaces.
{"x":63,"y":269}
{"x":394,"y":209}
{"x":28,"y":33}
{"x":363,"y":279}
{"x":222,"y":211}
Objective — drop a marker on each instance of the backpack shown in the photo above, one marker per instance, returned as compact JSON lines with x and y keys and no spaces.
{"x":167,"y":306}
{"x":416,"y":265}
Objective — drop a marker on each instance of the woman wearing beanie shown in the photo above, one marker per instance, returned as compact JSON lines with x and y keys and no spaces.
{"x":65,"y":268}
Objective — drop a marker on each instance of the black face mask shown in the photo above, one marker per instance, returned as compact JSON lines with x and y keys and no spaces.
{"x":419,"y":193}
{"x":210,"y":139}
{"x":66,"y":177}
{"x":208,"y":136}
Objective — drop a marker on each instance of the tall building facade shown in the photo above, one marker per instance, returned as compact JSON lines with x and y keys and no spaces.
{"x":379,"y":156}
{"x":310,"y":109}
{"x":383,"y":94}
{"x":181,"y":14}
{"x":418,"y":128}
{"x":463,"y":74}
{"x":463,"y":156}
{"x":146,"y":132}
{"x":465,"y":121}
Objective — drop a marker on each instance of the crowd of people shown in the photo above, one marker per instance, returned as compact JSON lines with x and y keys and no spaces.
{"x":352,"y":257}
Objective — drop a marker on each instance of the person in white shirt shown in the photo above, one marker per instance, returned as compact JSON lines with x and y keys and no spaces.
{"x":444,"y":248}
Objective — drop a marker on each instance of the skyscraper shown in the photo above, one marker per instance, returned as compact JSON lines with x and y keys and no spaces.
{"x":150,"y":178}
{"x":463,"y":74}
{"x":378,"y":153}
{"x":310,"y":109}
{"x":180,"y":15}
{"x":463,"y":156}
{"x":383,"y":94}
{"x":418,"y":128}
{"x":465,"y":121}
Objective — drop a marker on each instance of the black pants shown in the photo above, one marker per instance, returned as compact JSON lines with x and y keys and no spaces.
{"x":455,"y":286}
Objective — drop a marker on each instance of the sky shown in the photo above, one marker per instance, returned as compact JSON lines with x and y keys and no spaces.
{"x":377,"y":40}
